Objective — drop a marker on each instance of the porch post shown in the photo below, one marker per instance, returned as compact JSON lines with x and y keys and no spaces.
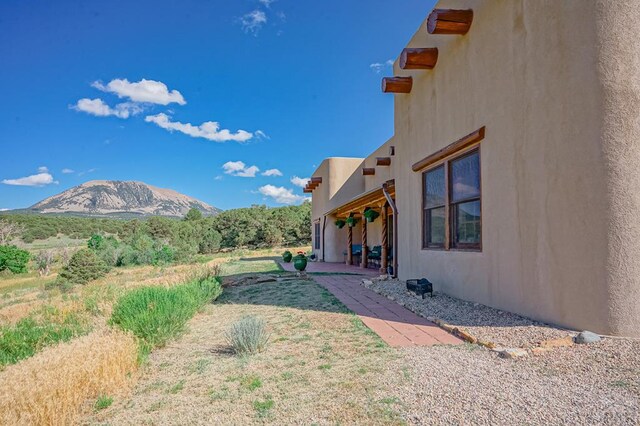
{"x":363,"y":260}
{"x":349,"y":245}
{"x":385,"y":241}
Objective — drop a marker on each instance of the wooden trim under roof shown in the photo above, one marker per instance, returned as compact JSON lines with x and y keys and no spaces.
{"x":448,"y":150}
{"x":374,"y":199}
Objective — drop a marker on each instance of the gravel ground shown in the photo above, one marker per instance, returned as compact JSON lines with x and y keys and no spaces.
{"x":487,"y":324}
{"x":468,"y":385}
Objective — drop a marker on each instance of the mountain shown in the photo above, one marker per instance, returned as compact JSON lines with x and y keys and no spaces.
{"x":120,"y":198}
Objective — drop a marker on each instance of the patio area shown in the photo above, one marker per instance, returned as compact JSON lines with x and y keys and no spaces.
{"x":396,"y":325}
{"x":335,"y":268}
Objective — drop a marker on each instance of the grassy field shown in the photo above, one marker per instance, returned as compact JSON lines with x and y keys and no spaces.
{"x":322,"y":365}
{"x":38,"y":325}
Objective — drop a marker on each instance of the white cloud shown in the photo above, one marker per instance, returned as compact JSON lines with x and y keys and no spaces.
{"x":238,"y":168}
{"x":298,"y":181}
{"x":281,"y":194}
{"x":4,"y":210}
{"x":272,"y":172}
{"x":219,"y":177}
{"x":208,"y":130}
{"x":43,"y":169}
{"x":261,"y":134}
{"x":150,"y":91}
{"x":266,"y":3}
{"x":379,"y":66}
{"x":86,"y":171}
{"x":99,"y":108}
{"x":39,"y":179}
{"x":67,"y":171}
{"x":252,"y":22}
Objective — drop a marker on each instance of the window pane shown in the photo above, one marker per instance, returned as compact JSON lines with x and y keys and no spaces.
{"x":434,"y":188}
{"x":434,"y":227}
{"x":465,"y":177}
{"x":467,"y":223}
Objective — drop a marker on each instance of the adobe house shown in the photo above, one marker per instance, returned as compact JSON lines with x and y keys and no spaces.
{"x":513,"y":176}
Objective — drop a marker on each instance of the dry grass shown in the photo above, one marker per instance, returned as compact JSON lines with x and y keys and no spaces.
{"x":51,"y":387}
{"x":322,"y":365}
{"x":17,"y":304}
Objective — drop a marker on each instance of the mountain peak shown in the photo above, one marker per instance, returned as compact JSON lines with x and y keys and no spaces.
{"x":112,"y":197}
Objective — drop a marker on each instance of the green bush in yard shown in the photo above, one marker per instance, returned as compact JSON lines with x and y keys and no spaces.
{"x":13,"y":259}
{"x":157,"y":314}
{"x":30,"y":335}
{"x":84,"y":266}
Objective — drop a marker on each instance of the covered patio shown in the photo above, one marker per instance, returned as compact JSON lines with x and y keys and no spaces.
{"x":331,"y":268}
{"x":369,"y":222}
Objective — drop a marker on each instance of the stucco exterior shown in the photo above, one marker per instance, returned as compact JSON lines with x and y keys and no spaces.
{"x":557,"y":86}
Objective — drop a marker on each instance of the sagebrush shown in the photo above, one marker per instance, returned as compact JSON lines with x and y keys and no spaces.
{"x":248,"y":335}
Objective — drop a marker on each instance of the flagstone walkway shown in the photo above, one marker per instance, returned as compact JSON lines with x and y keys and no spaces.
{"x":395,"y":324}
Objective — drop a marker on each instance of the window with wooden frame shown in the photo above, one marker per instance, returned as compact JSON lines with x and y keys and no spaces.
{"x":452,"y":204}
{"x":316,"y":236}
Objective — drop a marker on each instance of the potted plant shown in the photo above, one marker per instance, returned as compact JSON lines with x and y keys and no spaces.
{"x":300,"y":261}
{"x":287,"y":256}
{"x":340,"y":223}
{"x":371,"y":215}
{"x":351,"y":221}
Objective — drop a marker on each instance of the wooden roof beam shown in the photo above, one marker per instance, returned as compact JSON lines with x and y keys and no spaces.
{"x":383,"y":161}
{"x":418,"y":59}
{"x":449,"y":21}
{"x":397,"y":84}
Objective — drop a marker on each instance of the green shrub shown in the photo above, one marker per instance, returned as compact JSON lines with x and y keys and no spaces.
{"x":164,"y":256}
{"x":13,"y":259}
{"x":84,"y":266}
{"x":103,"y":402}
{"x":31,"y":334}
{"x":248,"y":335}
{"x":95,"y":242}
{"x":157,"y":314}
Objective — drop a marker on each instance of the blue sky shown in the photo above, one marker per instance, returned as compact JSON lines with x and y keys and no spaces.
{"x":129,"y":90}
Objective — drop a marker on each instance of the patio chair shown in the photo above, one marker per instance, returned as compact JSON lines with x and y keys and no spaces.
{"x":374,"y":256}
{"x":356,"y":253}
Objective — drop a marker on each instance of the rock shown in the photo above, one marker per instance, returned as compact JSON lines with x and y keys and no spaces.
{"x":586,"y":337}
{"x":513,"y":353}
{"x":465,"y":336}
{"x":488,"y":345}
{"x":557,"y":343}
{"x":540,"y":351}
{"x":367,"y":282}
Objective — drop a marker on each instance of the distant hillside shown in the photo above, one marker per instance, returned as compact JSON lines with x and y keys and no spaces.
{"x":120,"y":199}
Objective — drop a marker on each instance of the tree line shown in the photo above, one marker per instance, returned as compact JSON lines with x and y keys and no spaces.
{"x":162,"y":240}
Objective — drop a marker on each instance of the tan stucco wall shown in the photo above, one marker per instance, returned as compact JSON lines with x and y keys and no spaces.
{"x":556,"y":85}
{"x":341,"y":180}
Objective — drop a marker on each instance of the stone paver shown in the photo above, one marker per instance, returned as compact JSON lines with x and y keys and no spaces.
{"x":395,"y":324}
